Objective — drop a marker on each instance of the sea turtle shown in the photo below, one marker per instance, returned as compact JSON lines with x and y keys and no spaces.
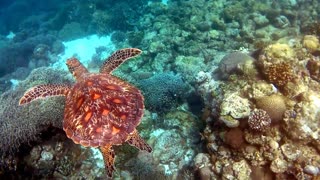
{"x":101,"y":110}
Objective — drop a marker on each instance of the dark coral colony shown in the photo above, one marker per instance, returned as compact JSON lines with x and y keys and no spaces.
{"x":160,"y":89}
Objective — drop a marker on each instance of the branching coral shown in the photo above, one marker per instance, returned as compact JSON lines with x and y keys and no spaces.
{"x":259,"y":120}
{"x":279,"y":74}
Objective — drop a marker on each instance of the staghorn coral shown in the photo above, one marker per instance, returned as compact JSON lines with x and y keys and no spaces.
{"x":259,"y":120}
{"x":279,"y":74}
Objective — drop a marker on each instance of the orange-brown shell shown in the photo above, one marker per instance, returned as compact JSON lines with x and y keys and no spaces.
{"x":102,"y":109}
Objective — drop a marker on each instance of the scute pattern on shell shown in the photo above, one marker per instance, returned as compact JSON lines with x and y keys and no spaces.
{"x":102,"y":109}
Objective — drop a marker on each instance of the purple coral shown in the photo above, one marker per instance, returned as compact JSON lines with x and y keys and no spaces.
{"x":259,"y":120}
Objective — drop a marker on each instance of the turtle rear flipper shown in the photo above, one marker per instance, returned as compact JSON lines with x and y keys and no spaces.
{"x":108,"y":157}
{"x":43,"y":91}
{"x":117,"y":58}
{"x":136,"y":141}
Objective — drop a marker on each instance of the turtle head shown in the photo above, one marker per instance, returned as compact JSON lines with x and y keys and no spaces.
{"x":75,"y":67}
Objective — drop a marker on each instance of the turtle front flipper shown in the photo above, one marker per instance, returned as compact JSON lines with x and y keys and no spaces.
{"x":108,"y":157}
{"x":135,"y":140}
{"x":43,"y":91}
{"x":117,"y":58}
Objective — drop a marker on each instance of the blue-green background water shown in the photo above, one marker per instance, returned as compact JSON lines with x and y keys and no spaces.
{"x":212,"y":72}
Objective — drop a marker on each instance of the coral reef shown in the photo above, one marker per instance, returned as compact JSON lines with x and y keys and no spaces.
{"x":18,"y":53}
{"x":163,"y":91}
{"x":20,"y":125}
{"x":280,"y":79}
{"x":279,"y":139}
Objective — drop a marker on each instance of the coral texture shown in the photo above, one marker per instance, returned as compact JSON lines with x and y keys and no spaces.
{"x":22,"y":124}
{"x":259,"y":120}
{"x":279,"y":74}
{"x":274,"y":105}
{"x":163,"y":91}
{"x":235,"y":106}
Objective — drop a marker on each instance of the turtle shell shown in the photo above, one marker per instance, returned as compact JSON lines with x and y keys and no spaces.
{"x":102,"y":109}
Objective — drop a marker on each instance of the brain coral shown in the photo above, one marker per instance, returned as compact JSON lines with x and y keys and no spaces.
{"x":20,"y":125}
{"x":274,"y":105}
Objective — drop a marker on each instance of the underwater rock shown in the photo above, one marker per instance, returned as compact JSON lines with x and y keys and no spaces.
{"x":279,"y":165}
{"x":188,"y":66}
{"x":260,"y":20}
{"x":17,"y":53}
{"x":201,"y":160}
{"x":234,"y":138}
{"x":229,"y":121}
{"x":313,"y":170}
{"x":290,"y":151}
{"x":71,"y":31}
{"x":232,"y":63}
{"x":313,"y":67}
{"x":241,"y":170}
{"x":167,"y":147}
{"x":282,"y":21}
